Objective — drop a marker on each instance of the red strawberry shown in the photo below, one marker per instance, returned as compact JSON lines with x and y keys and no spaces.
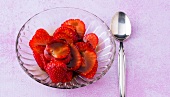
{"x":39,"y":40}
{"x":38,"y":49}
{"x":92,"y":39}
{"x":83,"y":46}
{"x":89,"y":61}
{"x":62,"y":36}
{"x":78,"y":24}
{"x":68,"y":76}
{"x":70,"y":27}
{"x":67,"y":31}
{"x":76,"y":61}
{"x":56,"y":71}
{"x":67,"y":59}
{"x":47,"y":55}
{"x":64,"y":60}
{"x":92,"y":72}
{"x":58,"y":49}
{"x":41,"y":60}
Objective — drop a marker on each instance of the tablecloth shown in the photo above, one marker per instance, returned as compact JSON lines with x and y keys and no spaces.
{"x":147,"y":50}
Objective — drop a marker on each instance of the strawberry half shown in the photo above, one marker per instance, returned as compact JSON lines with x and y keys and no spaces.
{"x":39,"y":41}
{"x":64,"y":60}
{"x":41,"y":60}
{"x":76,"y":61}
{"x":92,"y":72}
{"x":92,"y":39}
{"x":68,"y":76}
{"x":83,"y":46}
{"x":38,"y":49}
{"x":56,"y":71}
{"x":62,"y":36}
{"x":89,"y":61}
{"x":58,"y":49}
{"x":78,"y":24}
{"x":71,"y":33}
{"x":70,"y":27}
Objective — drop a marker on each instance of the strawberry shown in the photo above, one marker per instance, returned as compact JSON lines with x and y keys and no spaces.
{"x":39,"y":40}
{"x":41,"y":60}
{"x":92,"y":39}
{"x":76,"y":61}
{"x":39,"y":49}
{"x":64,"y":60}
{"x":56,"y":71}
{"x":62,"y":36}
{"x":67,"y":31}
{"x":92,"y":72}
{"x":47,"y":55}
{"x":89,"y":61}
{"x":83,"y":46}
{"x":68,"y":76}
{"x":78,"y":24}
{"x":58,"y":49}
{"x":70,"y":27}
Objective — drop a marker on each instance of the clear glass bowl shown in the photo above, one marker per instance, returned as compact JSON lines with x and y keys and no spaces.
{"x":52,"y":19}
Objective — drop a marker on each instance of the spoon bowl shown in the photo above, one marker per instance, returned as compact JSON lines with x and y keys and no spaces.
{"x":121,"y":26}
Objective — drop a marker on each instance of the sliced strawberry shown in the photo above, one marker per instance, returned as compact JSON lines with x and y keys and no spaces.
{"x":62,"y":36}
{"x":38,"y":49}
{"x":64,"y":60}
{"x":67,"y":59}
{"x":41,"y":60}
{"x":76,"y":61}
{"x":83,"y":46}
{"x":71,"y":33}
{"x":68,"y":76}
{"x":44,"y":60}
{"x":39,"y":40}
{"x":89,"y":61}
{"x":56,"y":71}
{"x":78,"y":24}
{"x":92,"y":39}
{"x":92,"y":72}
{"x":58,"y":49}
{"x":47,"y":55}
{"x":70,"y":27}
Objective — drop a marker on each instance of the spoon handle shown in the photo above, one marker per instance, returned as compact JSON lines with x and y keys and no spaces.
{"x":121,"y":70}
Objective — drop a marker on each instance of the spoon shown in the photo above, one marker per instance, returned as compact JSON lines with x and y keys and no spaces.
{"x":121,"y":29}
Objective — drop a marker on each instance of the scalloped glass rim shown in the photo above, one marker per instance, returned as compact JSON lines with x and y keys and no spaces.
{"x":78,"y":81}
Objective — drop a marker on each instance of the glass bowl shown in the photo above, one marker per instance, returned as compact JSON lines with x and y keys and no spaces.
{"x":50,"y":20}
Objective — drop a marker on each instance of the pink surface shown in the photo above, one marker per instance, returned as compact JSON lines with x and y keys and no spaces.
{"x":147,"y":50}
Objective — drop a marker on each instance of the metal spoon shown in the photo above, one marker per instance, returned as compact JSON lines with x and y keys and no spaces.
{"x":121,"y":29}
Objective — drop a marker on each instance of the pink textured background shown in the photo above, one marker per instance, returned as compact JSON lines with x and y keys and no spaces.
{"x":147,"y":50}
